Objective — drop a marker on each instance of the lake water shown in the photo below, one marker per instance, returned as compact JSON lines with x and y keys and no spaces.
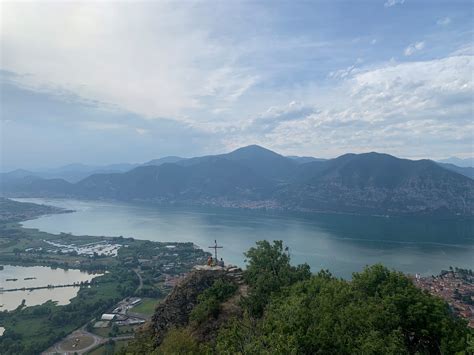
{"x":341,"y":243}
{"x":43,"y":276}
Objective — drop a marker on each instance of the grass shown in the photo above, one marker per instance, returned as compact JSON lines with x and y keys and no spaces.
{"x":84,"y":342}
{"x":109,"y":348}
{"x":146,"y":307}
{"x":33,"y":326}
{"x":104,"y":332}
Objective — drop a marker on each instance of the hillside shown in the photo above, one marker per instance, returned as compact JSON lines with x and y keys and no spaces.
{"x":466,"y":171}
{"x":277,"y":308}
{"x":379,"y":184}
{"x":255,"y":177}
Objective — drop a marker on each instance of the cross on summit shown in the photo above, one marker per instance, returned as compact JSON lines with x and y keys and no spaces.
{"x":215,"y":247}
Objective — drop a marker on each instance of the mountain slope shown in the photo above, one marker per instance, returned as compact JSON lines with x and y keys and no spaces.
{"x":160,"y":161}
{"x":212,"y":178}
{"x":33,"y":186}
{"x":466,"y":171}
{"x":255,"y":177}
{"x":464,"y":163}
{"x":263,"y":162}
{"x":380,"y":184}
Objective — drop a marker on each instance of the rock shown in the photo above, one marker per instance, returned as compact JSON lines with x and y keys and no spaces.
{"x":174,"y":311}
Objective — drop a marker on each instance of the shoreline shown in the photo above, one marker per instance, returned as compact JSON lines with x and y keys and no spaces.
{"x":243,"y":206}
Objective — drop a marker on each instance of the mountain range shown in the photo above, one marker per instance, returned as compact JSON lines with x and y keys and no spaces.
{"x":255,"y":177}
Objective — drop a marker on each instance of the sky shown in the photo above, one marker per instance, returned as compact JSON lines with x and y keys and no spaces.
{"x":108,"y":82}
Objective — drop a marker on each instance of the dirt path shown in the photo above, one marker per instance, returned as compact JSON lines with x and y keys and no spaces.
{"x":140,"y":279}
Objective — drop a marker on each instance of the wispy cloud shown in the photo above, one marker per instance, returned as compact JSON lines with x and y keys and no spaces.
{"x":387,"y":108}
{"x":193,"y":78}
{"x":390,"y":3}
{"x":413,"y":48}
{"x":155,"y":60}
{"x":444,"y":21}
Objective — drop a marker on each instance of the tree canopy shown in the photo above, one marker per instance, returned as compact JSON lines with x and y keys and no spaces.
{"x":379,"y":312}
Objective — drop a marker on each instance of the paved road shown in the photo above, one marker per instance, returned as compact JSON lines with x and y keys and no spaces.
{"x":57,"y":349}
{"x":98,"y":340}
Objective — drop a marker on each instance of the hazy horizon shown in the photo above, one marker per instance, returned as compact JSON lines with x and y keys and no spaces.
{"x":47,"y":167}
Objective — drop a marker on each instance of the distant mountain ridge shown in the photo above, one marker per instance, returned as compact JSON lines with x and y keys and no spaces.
{"x":71,"y":172}
{"x":255,"y":177}
{"x":466,"y":171}
{"x":463,"y":163}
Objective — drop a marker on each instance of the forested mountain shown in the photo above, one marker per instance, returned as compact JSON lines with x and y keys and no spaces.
{"x":466,"y":170}
{"x":255,"y":177}
{"x":379,"y":183}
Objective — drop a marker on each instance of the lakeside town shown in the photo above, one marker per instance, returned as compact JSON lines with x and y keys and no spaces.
{"x":456,"y":287}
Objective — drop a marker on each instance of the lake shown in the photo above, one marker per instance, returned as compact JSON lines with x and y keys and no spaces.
{"x":42,"y":276}
{"x":341,"y":243}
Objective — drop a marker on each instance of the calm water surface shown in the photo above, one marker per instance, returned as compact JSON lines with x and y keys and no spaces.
{"x":341,"y":243}
{"x":43,"y":276}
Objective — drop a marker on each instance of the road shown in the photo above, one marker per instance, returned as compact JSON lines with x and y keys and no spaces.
{"x":140,"y":279}
{"x":81,"y":332}
{"x":97,"y":341}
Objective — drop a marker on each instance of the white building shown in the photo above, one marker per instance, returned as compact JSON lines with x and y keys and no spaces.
{"x":108,"y":316}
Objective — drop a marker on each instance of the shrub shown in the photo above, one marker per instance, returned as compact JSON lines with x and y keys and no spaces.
{"x":209,"y":301}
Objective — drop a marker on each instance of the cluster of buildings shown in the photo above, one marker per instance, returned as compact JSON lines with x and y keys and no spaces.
{"x":120,"y":315}
{"x":90,"y":249}
{"x":456,"y":287}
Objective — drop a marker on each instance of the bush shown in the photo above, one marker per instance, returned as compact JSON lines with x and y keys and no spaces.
{"x":379,"y":312}
{"x":180,"y":342}
{"x":209,"y":301}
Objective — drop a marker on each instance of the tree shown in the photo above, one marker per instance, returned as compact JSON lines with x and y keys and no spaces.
{"x":379,"y":312}
{"x":268,"y":270}
{"x":180,"y":341}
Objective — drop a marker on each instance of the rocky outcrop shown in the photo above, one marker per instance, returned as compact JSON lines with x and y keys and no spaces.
{"x":174,"y":311}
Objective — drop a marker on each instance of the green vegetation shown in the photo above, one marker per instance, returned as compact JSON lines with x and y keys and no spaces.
{"x":268,"y":270}
{"x":33,"y":329}
{"x":209,"y":301}
{"x":114,"y":331}
{"x":13,"y":211}
{"x":146,"y":307}
{"x":110,"y":348}
{"x":290,"y":311}
{"x":180,"y":341}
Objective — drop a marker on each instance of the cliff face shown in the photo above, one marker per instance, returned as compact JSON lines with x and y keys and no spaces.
{"x":174,"y":311}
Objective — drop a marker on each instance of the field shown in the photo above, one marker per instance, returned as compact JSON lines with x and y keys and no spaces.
{"x":109,"y":348}
{"x":122,"y":331}
{"x":146,"y":307}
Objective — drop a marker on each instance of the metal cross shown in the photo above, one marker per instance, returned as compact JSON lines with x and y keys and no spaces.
{"x":215,"y":247}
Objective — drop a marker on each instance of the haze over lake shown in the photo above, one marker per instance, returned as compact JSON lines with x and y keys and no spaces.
{"x":341,"y":243}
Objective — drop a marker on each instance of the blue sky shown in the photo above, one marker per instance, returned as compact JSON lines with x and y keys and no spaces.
{"x":116,"y":82}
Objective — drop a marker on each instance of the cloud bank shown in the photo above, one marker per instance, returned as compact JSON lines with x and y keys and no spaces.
{"x":138,"y":81}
